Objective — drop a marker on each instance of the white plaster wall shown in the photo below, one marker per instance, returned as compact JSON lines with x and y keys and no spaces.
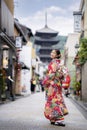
{"x":71,"y":42}
{"x":26,"y":57}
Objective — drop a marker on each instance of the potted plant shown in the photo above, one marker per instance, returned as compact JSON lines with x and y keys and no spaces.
{"x":2,"y":84}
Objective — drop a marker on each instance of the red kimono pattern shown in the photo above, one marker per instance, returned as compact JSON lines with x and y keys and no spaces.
{"x":66,"y":82}
{"x":55,"y":108}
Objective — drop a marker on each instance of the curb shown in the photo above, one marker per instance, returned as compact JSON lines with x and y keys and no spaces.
{"x":79,"y":102}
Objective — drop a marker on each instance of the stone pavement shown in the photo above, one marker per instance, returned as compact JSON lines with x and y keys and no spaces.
{"x":76,"y":100}
{"x":27,"y":114}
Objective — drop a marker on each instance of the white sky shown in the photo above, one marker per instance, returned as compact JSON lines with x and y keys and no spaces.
{"x":59,"y":14}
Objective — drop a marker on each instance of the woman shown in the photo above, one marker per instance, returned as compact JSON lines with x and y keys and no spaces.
{"x":55,"y":108}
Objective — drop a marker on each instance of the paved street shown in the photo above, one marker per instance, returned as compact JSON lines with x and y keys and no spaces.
{"x":27,"y":114}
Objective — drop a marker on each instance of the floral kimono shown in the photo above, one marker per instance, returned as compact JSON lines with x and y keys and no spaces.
{"x":55,"y":108}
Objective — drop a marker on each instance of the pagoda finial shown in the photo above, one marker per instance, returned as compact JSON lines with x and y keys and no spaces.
{"x":45,"y":19}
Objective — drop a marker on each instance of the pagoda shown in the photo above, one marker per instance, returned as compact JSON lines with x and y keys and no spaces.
{"x":45,"y":38}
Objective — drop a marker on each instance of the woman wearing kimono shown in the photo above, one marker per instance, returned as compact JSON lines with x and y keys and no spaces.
{"x":55,"y":108}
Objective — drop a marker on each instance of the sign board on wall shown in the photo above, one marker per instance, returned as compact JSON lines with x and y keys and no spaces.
{"x":77,"y":21}
{"x":18,"y":42}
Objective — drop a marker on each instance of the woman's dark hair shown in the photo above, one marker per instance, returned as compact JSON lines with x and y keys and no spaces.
{"x":58,"y":53}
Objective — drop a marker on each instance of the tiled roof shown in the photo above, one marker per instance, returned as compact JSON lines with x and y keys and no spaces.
{"x":46,"y":29}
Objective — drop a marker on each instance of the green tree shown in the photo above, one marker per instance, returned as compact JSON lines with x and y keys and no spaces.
{"x":76,"y":85}
{"x":2,"y":84}
{"x":83,"y":51}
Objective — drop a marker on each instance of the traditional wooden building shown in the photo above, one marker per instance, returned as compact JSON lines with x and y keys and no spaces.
{"x":81,"y":69}
{"x":7,"y":41}
{"x":24,"y":33}
{"x":7,"y":27}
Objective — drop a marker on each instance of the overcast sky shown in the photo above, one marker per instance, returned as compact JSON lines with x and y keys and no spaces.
{"x":59,"y":14}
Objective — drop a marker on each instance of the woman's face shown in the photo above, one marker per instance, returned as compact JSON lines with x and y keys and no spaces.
{"x":53,"y":54}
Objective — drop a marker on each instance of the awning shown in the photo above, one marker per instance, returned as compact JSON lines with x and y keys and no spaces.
{"x":6,"y":38}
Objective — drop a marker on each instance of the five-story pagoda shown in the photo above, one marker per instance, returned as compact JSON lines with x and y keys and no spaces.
{"x":45,"y":38}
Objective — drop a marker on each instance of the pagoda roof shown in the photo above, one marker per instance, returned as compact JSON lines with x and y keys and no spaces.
{"x":51,"y":39}
{"x":47,"y":30}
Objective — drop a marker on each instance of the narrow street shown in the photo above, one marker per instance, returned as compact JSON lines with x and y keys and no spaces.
{"x":27,"y":114}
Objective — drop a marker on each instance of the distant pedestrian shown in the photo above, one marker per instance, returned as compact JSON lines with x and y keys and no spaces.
{"x":41,"y":85}
{"x":33,"y":85}
{"x":9,"y":82}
